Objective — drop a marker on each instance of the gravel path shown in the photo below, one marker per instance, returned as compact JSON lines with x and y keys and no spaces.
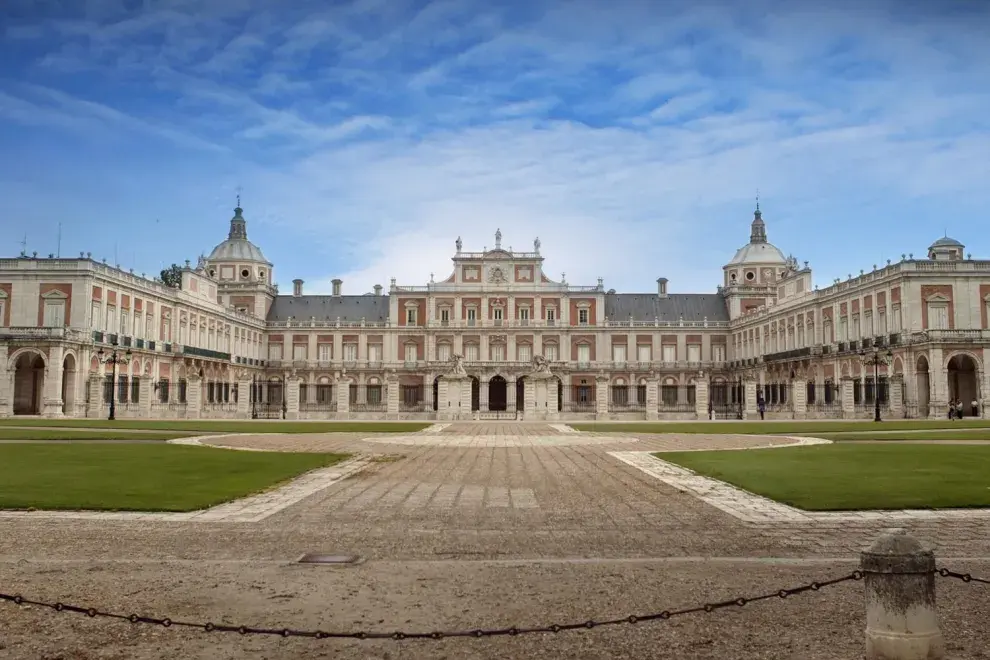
{"x":468,"y":536}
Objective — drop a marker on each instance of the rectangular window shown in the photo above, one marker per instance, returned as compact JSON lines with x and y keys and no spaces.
{"x":551,"y":315}
{"x":498,"y":352}
{"x":167,"y":330}
{"x":412,"y":353}
{"x":842,"y":329}
{"x":895,"y":318}
{"x":275,"y":352}
{"x":583,"y":316}
{"x":868,"y":324}
{"x":111,"y":318}
{"x":54,"y":314}
{"x":411,"y":316}
{"x":718,"y":353}
{"x":618,"y":352}
{"x":472,"y":315}
{"x":149,"y":327}
{"x":124,"y":328}
{"x":374,"y":352}
{"x":525,"y":353}
{"x":524,"y":313}
{"x":669,"y":353}
{"x":584,"y":353}
{"x":324,"y":351}
{"x":938,"y":317}
{"x":299,"y":352}
{"x":350,"y":352}
{"x":694,"y":352}
{"x":497,"y":313}
{"x":643,"y":353}
{"x":445,"y":314}
{"x":97,"y":315}
{"x":471,"y":352}
{"x":855,"y":328}
{"x":550,"y":352}
{"x":881,"y":322}
{"x":443,"y":352}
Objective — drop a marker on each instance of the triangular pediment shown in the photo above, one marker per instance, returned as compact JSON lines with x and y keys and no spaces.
{"x":937,"y":298}
{"x":3,"y":294}
{"x":55,"y":295}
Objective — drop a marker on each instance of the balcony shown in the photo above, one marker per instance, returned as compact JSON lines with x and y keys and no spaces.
{"x":20,"y":333}
{"x":206,"y":353}
{"x":793,"y":354}
{"x":966,"y":336}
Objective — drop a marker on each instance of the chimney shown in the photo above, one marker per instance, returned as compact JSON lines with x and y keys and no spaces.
{"x":662,"y":287}
{"x":336,"y":287}
{"x":378,"y":289}
{"x":297,"y":288}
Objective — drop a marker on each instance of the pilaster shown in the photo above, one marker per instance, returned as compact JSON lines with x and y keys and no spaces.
{"x":343,"y":388}
{"x":652,"y":398}
{"x":194,"y":396}
{"x":938,"y":383}
{"x":392,"y":396}
{"x":750,"y":386}
{"x":144,"y":397}
{"x":6,"y":385}
{"x":799,"y":392}
{"x":94,"y":405}
{"x":53,"y":382}
{"x":601,"y":397}
{"x":244,"y":397}
{"x":483,"y":395}
{"x":701,"y":398}
{"x":847,"y":392}
{"x":292,"y":397}
{"x":510,"y":393}
{"x":895,"y":395}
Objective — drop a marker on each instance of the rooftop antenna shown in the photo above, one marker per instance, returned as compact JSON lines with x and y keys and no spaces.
{"x":58,"y":246}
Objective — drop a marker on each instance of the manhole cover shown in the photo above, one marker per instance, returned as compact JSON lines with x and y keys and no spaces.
{"x":320,"y":558}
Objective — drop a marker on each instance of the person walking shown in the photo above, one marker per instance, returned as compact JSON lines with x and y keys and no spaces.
{"x":761,"y":405}
{"x":952,"y":409}
{"x":974,"y":407}
{"x":959,"y":408}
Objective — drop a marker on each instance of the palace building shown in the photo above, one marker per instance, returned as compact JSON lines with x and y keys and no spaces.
{"x":498,"y":338}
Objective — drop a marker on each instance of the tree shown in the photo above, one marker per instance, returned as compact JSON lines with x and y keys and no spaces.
{"x":172,"y":276}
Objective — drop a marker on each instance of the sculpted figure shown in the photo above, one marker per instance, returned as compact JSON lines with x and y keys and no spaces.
{"x":457,"y":368}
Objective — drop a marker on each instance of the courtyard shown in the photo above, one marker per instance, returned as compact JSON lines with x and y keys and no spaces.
{"x":468,"y":526}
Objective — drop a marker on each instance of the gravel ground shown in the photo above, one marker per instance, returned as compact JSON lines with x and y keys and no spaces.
{"x":461,"y":538}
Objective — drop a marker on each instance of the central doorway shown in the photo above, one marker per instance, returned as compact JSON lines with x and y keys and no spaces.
{"x":497,"y":394}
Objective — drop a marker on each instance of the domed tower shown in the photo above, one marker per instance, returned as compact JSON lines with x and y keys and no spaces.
{"x":243,"y":274}
{"x":751,"y":277}
{"x":946,"y":249}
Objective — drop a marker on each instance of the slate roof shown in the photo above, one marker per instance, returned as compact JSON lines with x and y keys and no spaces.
{"x":369,"y":307}
{"x":649,"y":306}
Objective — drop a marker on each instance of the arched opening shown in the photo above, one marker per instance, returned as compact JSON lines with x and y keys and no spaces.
{"x":521,"y":393}
{"x":29,"y":384}
{"x":497,"y":394}
{"x":924,"y":385}
{"x":962,"y":380}
{"x":436,"y":393}
{"x":475,"y":394}
{"x":68,"y":385}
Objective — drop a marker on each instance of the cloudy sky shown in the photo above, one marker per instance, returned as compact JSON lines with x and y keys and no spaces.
{"x":630,"y":136}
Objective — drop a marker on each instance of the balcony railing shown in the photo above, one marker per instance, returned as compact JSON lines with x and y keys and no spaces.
{"x":15,"y":333}
{"x":206,"y":353}
{"x":958,"y":336}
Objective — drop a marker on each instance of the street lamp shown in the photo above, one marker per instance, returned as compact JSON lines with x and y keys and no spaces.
{"x":875,"y":359}
{"x":113,"y":360}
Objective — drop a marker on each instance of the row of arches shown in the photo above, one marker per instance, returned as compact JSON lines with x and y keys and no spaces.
{"x":498,"y":393}
{"x":30,"y":373}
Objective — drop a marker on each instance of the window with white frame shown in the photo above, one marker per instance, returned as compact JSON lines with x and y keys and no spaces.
{"x":551,"y":352}
{"x":524,"y":315}
{"x":669,"y":353}
{"x":895,"y":318}
{"x":618,"y":353}
{"x":274,"y":352}
{"x":111,"y":325}
{"x":202,"y":336}
{"x":97,"y":315}
{"x":498,"y":313}
{"x":55,"y":309}
{"x":881,"y":321}
{"x":718,"y":352}
{"x":855,"y":328}
{"x":472,"y":315}
{"x":124,"y":328}
{"x":149,"y":326}
{"x":525,"y":353}
{"x":938,"y":314}
{"x":324,"y":351}
{"x":138,"y":324}
{"x":299,"y":351}
{"x":411,"y":313}
{"x":584,"y":353}
{"x":412,"y":352}
{"x":644,"y":353}
{"x":842,"y":329}
{"x":694,"y":352}
{"x":445,"y":314}
{"x":443,"y":352}
{"x":498,"y":352}
{"x":167,"y":329}
{"x":351,"y":352}
{"x":472,"y":352}
{"x":374,"y":352}
{"x":868,"y":324}
{"x":551,"y":315}
{"x":583,"y":316}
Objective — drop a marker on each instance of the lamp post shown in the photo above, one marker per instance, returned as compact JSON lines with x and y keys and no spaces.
{"x":113,"y":359}
{"x":875,"y":359}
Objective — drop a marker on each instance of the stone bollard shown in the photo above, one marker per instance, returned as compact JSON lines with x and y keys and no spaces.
{"x":901,"y":621}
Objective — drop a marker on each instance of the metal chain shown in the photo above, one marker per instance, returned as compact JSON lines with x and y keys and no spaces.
{"x":965,"y":577}
{"x":480,"y":632}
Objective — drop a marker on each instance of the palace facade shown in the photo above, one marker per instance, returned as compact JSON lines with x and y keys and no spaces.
{"x":226,"y":343}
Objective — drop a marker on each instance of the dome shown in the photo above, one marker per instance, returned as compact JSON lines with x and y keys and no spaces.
{"x":945,"y":241}
{"x":759,"y":250}
{"x":237,"y":247}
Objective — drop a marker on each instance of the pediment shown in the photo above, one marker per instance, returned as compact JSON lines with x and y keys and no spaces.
{"x":937,"y":298}
{"x":3,"y":294}
{"x":55,"y":295}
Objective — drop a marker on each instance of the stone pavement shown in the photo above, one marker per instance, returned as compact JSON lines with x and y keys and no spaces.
{"x":464,"y":533}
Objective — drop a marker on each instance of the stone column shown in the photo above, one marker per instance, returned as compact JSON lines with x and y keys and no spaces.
{"x":53,"y":383}
{"x":483,"y":396}
{"x":799,"y":398}
{"x":938,"y":384}
{"x":895,"y":392}
{"x":443,"y":399}
{"x":901,"y":619}
{"x":846,"y":387}
{"x":94,"y":407}
{"x":194,"y":396}
{"x":244,"y":397}
{"x":343,"y":387}
{"x":392,"y":396}
{"x":510,"y":394}
{"x":292,"y":397}
{"x":529,"y":398}
{"x":145,"y":392}
{"x":601,"y":397}
{"x":6,"y":384}
{"x":750,"y":411}
{"x":701,"y":398}
{"x":652,"y":398}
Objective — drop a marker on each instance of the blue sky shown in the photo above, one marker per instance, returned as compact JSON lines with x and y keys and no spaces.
{"x":630,"y":136}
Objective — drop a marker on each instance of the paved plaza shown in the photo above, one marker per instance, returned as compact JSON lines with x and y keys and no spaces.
{"x":470,"y":525}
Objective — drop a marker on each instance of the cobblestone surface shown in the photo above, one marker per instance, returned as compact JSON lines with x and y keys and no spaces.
{"x":462,"y":536}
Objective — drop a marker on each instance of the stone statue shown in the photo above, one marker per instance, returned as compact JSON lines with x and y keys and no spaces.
{"x":536,"y":245}
{"x":498,"y":239}
{"x":458,"y":243}
{"x":457,"y":369}
{"x":541,"y":367}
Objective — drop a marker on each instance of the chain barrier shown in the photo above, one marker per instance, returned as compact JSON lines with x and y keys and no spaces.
{"x":92,"y":612}
{"x":480,"y":632}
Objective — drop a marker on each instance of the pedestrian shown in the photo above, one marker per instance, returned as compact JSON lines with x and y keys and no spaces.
{"x":762,"y":407}
{"x":952,"y":409}
{"x":959,"y":408}
{"x":974,"y":407}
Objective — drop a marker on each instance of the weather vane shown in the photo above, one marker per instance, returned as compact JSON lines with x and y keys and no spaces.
{"x":239,"y":197}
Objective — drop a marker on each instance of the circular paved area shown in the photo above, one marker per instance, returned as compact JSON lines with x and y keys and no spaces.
{"x":461,"y":536}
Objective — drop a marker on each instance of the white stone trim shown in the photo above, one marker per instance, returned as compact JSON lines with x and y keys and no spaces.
{"x":751,"y":508}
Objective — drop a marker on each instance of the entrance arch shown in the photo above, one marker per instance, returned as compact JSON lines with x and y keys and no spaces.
{"x":29,"y":384}
{"x":497,"y":394}
{"x":924,"y":386}
{"x":962,"y":373}
{"x":69,"y":385}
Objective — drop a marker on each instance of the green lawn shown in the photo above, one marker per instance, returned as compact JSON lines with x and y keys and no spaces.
{"x":778,"y":428}
{"x":853,"y":477}
{"x":141,"y":477}
{"x":84,"y":434}
{"x":225,"y":426}
{"x":935,"y":434}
